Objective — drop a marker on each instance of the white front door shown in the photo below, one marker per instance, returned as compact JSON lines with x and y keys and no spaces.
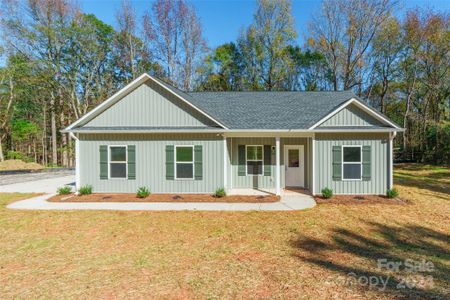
{"x":294,"y":164}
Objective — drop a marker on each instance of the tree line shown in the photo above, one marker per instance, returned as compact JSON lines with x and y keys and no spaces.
{"x":60,"y":62}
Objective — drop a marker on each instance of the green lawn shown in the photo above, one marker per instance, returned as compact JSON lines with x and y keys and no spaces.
{"x":305,"y":254}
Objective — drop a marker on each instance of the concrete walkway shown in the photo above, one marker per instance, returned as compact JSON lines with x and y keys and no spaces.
{"x":287,"y":203}
{"x":290,"y":200}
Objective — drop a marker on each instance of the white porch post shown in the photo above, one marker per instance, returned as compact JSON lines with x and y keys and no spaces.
{"x":313,"y":168}
{"x":391,"y":159}
{"x":225,"y":164}
{"x":77,"y":161}
{"x":277,"y":167}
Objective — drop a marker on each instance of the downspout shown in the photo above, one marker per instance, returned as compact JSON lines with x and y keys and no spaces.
{"x":77,"y":160}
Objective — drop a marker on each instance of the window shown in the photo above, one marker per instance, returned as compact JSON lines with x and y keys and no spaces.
{"x":351,"y":162}
{"x":184,"y":162}
{"x":117,"y":161}
{"x":293,"y":158}
{"x":254,"y":157}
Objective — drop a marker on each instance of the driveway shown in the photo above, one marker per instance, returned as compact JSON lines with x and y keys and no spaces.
{"x":42,"y":182}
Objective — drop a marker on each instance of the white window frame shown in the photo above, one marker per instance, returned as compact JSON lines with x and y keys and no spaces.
{"x":126,"y":162}
{"x":261,"y":160}
{"x":184,"y":162}
{"x":351,"y":163}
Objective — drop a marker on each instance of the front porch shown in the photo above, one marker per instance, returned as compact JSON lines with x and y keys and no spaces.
{"x":260,"y":165}
{"x":266,"y":192}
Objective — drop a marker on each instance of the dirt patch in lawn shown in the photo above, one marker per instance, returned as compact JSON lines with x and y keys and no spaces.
{"x":16,"y":164}
{"x":163,"y":198}
{"x":361,"y":199}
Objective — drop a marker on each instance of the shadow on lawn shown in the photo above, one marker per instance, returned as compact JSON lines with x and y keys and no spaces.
{"x":431,"y":183}
{"x":395,"y":244}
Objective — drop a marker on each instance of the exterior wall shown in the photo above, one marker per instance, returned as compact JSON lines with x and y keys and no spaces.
{"x":265,"y":182}
{"x":149,"y":105}
{"x":351,"y":116}
{"x":379,"y":162}
{"x":150,"y":162}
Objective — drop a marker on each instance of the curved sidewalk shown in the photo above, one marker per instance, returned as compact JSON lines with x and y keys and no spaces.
{"x":286,"y":203}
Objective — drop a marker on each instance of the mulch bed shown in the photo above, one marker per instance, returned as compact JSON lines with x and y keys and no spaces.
{"x":360,"y":199}
{"x":163,"y":198}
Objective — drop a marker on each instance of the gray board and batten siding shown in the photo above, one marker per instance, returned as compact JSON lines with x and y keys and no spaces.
{"x":379,"y":162}
{"x":150,"y":160}
{"x":351,"y":116}
{"x":150,"y":105}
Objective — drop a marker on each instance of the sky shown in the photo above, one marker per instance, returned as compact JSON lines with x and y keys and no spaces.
{"x":222,"y":20}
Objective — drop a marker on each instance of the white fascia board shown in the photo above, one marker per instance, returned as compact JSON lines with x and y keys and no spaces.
{"x":231,"y":133}
{"x":361,"y":105}
{"x":360,"y":130}
{"x":145,"y":131}
{"x":135,"y":83}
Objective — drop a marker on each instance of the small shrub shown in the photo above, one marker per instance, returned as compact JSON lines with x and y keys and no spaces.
{"x":64,"y":190}
{"x":142,"y":192}
{"x":392,"y":193}
{"x":327,"y":193}
{"x":220,"y":192}
{"x":85,"y":189}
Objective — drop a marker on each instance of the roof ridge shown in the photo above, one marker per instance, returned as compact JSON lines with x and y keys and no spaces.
{"x":196,"y":92}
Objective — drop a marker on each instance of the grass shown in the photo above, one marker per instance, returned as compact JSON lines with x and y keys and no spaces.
{"x":93,"y":254}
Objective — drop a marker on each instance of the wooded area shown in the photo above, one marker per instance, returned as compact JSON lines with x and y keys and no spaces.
{"x":60,"y":62}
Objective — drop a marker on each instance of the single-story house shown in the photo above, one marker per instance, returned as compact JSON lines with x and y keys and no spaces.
{"x":151,"y":134}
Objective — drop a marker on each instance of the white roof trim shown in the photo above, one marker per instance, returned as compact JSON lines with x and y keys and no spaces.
{"x":132,"y":85}
{"x":361,"y":105}
{"x":219,"y":130}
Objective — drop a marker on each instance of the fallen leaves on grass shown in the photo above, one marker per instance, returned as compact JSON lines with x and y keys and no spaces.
{"x":224,"y":255}
{"x":361,"y":199}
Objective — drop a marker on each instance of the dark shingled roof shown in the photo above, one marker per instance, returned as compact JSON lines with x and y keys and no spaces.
{"x":268,"y":110}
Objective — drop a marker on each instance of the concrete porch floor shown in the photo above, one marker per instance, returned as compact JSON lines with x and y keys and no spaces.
{"x":263,"y":192}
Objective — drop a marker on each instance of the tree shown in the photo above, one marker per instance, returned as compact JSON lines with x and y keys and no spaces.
{"x":223,"y":69}
{"x":131,"y":55}
{"x":426,"y":83}
{"x":343,"y":31}
{"x":309,"y":70}
{"x":173,"y":33}
{"x":40,"y":31}
{"x":263,"y":45}
{"x":193,"y":46}
{"x":6,"y":104}
{"x":385,"y":54}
